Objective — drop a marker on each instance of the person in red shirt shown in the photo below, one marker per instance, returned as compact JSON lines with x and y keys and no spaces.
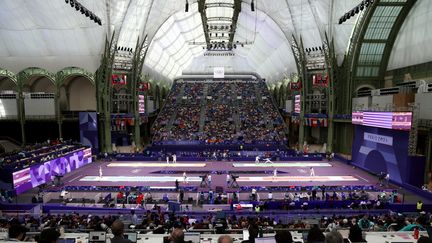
{"x":140,"y":199}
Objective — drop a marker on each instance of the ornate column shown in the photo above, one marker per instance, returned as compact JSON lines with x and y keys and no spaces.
{"x":137,"y":65}
{"x":104,"y":94}
{"x":299,"y":55}
{"x":331,"y":67}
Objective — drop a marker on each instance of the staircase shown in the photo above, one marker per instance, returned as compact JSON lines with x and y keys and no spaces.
{"x":267,"y":120}
{"x":235,"y":108}
{"x":203,"y":106}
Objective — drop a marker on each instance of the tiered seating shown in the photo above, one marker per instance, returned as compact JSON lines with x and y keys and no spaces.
{"x":188,"y":114}
{"x":34,"y":154}
{"x":165,"y":221}
{"x":161,"y":125}
{"x":220,"y":112}
{"x":219,"y":122}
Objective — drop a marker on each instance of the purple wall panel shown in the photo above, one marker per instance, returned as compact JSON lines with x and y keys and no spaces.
{"x":386,"y":150}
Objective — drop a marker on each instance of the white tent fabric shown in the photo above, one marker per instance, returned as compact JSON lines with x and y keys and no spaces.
{"x":52,"y":35}
{"x":413,"y":43}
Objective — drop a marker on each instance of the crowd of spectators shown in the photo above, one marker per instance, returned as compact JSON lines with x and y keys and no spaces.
{"x":240,"y":111}
{"x":160,"y":126}
{"x":188,"y":114}
{"x":37,"y":153}
{"x":160,"y":222}
{"x":219,"y":123}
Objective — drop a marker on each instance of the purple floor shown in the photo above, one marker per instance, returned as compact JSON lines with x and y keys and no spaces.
{"x":337,"y":169}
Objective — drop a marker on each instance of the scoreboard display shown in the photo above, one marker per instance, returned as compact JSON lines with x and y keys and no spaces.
{"x":389,"y":120}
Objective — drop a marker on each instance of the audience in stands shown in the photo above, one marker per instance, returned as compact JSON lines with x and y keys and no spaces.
{"x":219,"y":113}
{"x":37,"y":153}
{"x":161,"y":222}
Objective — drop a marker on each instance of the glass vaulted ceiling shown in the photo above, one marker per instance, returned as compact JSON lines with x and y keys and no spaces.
{"x":52,"y":35}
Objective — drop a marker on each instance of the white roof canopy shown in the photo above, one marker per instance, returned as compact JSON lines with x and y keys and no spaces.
{"x":52,"y":35}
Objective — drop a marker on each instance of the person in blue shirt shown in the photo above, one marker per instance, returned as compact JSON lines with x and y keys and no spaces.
{"x":419,"y":224}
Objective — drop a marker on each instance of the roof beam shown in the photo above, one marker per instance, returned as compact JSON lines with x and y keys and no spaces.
{"x":202,"y":11}
{"x":237,"y":10}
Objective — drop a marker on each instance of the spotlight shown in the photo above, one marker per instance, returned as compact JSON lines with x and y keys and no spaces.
{"x":340,"y":21}
{"x":67,"y":1}
{"x":352,"y":13}
{"x":91,"y":16}
{"x":347,"y":16}
{"x":252,"y":6}
{"x":77,"y":6}
{"x":72,"y":3}
{"x":357,"y":9}
{"x":87,"y":13}
{"x":187,"y":6}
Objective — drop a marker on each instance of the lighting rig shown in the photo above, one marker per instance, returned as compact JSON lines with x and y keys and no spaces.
{"x":84,"y":11}
{"x":364,"y":4}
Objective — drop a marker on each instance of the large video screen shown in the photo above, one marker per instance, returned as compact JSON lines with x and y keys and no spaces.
{"x":39,"y":174}
{"x":141,"y":104}
{"x":297,"y":104}
{"x":389,"y":120}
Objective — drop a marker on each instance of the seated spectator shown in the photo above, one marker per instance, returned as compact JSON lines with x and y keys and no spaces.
{"x":365,"y":223}
{"x":355,"y":234}
{"x":419,"y":222}
{"x":333,"y":237}
{"x":177,"y":236}
{"x":17,"y":232}
{"x":283,"y":236}
{"x":315,"y":234}
{"x":253,"y":234}
{"x":225,"y":239}
{"x":424,"y":239}
{"x":48,"y":236}
{"x":117,"y":229}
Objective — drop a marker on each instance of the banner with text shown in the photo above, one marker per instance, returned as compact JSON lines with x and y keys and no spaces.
{"x":218,"y":72}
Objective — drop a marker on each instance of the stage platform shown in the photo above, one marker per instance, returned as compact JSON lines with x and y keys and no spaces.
{"x":286,"y":164}
{"x":152,"y":164}
{"x":153,"y":174}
